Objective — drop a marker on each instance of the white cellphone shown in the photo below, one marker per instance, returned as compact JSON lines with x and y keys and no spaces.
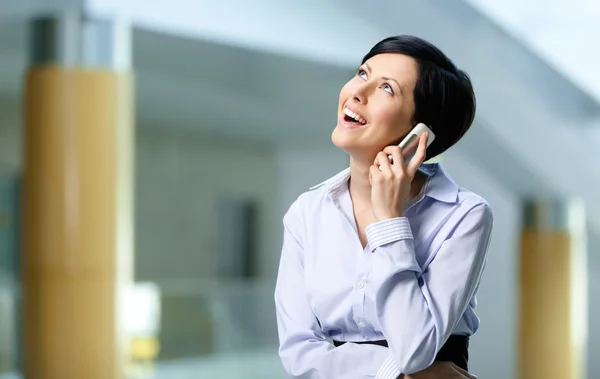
{"x":412,"y":136}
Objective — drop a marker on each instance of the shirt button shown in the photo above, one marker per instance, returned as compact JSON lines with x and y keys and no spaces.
{"x":360,"y":284}
{"x":361,"y":324}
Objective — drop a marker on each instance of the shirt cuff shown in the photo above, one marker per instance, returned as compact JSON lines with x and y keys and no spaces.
{"x":389,"y":370}
{"x":387,"y":231}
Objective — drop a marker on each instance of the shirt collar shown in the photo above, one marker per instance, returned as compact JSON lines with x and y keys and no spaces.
{"x":439,"y":186}
{"x":335,"y":184}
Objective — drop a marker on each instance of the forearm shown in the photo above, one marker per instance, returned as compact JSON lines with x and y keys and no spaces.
{"x":304,"y":351}
{"x":315,"y":359}
{"x":430,"y":300}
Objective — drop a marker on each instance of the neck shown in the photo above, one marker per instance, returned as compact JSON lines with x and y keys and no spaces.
{"x":360,"y":186}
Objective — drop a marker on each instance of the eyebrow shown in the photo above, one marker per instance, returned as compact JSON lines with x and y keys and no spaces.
{"x":386,"y":78}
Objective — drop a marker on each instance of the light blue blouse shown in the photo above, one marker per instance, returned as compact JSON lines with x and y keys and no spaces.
{"x":413,"y":285}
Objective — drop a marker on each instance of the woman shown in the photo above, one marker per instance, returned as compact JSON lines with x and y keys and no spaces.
{"x":381,"y":263}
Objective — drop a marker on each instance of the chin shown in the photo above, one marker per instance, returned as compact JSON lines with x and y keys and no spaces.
{"x":341,"y":138}
{"x":347,"y":141}
{"x":356,"y":143}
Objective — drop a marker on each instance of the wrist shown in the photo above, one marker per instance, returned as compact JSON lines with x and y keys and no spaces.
{"x":388,"y":216}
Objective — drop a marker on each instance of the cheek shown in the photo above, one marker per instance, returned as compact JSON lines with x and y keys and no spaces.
{"x":345,"y":92}
{"x":389,"y":116}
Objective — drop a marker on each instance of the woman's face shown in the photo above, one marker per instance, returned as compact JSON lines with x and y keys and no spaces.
{"x":376,"y":106}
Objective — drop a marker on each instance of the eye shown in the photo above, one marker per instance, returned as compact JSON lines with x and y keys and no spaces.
{"x":362,"y":73}
{"x":386,"y":87}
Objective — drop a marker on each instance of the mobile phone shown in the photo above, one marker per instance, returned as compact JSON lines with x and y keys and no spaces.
{"x":413,"y":137}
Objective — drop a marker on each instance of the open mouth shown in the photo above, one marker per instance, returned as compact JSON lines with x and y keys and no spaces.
{"x":352,"y":117}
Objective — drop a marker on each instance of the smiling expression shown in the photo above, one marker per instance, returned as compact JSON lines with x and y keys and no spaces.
{"x":376,"y":106}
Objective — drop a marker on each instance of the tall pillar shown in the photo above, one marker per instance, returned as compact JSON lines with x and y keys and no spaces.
{"x":78,"y":223}
{"x":553,"y":291}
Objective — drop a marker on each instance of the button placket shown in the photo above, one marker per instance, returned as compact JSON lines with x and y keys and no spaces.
{"x":359,"y":290}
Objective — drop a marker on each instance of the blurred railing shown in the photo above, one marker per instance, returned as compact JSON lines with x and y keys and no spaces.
{"x":208,"y":329}
{"x":219,"y":329}
{"x":212,"y":316}
{"x":8,"y":335}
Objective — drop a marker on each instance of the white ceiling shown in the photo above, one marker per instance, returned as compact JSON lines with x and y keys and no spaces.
{"x":565,"y":33}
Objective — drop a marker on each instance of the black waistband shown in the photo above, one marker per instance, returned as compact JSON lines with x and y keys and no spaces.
{"x":455,"y":350}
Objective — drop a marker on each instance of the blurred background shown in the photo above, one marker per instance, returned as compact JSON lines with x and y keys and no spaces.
{"x":187,"y":128}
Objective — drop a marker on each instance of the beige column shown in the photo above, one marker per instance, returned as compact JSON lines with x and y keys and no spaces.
{"x":77,"y":231}
{"x":553,"y":291}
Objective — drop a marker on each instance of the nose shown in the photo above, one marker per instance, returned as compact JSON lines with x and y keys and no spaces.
{"x":360,"y":93}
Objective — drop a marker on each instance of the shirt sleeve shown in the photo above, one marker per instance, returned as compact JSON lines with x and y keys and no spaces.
{"x":418,"y":310}
{"x":304,"y":350}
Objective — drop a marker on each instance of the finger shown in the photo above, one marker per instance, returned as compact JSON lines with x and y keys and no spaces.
{"x":375,"y":175}
{"x":396,"y":157}
{"x":398,"y":166}
{"x":419,"y":156}
{"x":373,"y":170}
{"x":383,"y":162}
{"x":390,"y":149}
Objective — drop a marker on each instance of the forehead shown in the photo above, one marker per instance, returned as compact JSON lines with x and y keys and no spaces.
{"x":398,"y":66}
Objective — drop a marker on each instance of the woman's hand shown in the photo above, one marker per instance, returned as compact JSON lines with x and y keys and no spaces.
{"x":441,"y":370}
{"x":390,"y":185}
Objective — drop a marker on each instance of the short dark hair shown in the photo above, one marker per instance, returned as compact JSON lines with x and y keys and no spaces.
{"x":444,"y":97}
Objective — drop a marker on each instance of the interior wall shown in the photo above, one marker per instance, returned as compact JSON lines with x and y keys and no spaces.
{"x":179,"y":181}
{"x":11,"y":135}
{"x":10,"y":151}
{"x":179,"y":178}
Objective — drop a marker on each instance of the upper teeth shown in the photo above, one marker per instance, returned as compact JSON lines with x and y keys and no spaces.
{"x":355,"y":116}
